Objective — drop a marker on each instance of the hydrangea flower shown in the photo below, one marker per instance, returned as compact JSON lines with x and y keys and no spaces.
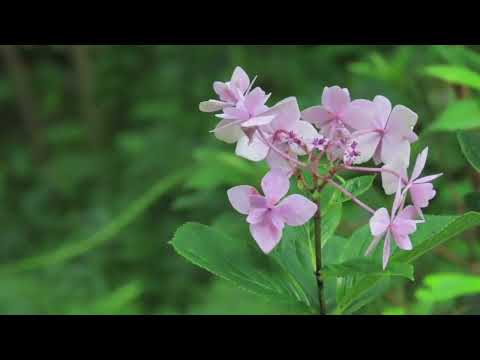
{"x":267,"y":215}
{"x":286,"y":132}
{"x":382,"y":133}
{"x":329,"y":116}
{"x":229,"y":92}
{"x":399,"y":225}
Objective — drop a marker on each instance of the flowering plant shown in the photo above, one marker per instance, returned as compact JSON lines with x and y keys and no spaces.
{"x":310,"y":151}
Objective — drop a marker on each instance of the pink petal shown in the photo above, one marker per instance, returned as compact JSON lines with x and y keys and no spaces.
{"x":228,"y":131}
{"x":335,"y":99}
{"x":390,"y":181}
{"x":401,"y":122}
{"x":401,"y":226}
{"x":306,"y":132}
{"x":239,"y":197}
{"x":398,"y":199}
{"x":419,"y":164}
{"x":267,"y":235}
{"x":224,"y":92}
{"x":367,"y":144}
{"x":317,"y":115}
{"x":254,"y":150}
{"x":234,"y":113}
{"x":240,"y":79}
{"x":258,"y":121}
{"x":386,"y":250}
{"x":212,"y":106}
{"x":275,"y":185}
{"x":296,"y":210}
{"x":255,"y":99}
{"x":403,"y":241}
{"x":361,"y":115}
{"x":394,"y":148}
{"x":426,"y":179}
{"x":409,"y":213}
{"x":275,"y":160}
{"x":256,"y":216}
{"x":286,"y":114}
{"x":258,"y":201}
{"x":379,"y":222}
{"x":383,"y":109}
{"x":421,"y":194}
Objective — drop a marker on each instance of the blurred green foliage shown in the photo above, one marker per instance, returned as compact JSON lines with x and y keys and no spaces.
{"x":104,"y":154}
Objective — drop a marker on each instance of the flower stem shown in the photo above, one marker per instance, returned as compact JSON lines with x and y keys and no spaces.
{"x":318,"y":259}
{"x":351,"y":196}
{"x":377,"y":170}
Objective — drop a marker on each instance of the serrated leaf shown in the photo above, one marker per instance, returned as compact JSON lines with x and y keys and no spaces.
{"x":470,"y":145}
{"x":367,"y":266}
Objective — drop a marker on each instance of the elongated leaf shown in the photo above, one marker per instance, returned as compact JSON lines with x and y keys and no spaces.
{"x":437,"y":230}
{"x":331,"y":218}
{"x":448,"y":286}
{"x":239,"y":261}
{"x":455,"y":74}
{"x":470,"y":144}
{"x":367,"y":266}
{"x":459,"y":115}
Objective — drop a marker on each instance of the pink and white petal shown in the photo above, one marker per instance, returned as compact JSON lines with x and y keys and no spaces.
{"x":409,"y":213}
{"x":306,"y":132}
{"x":427,"y":179}
{"x":274,"y":160}
{"x":389,"y":180}
{"x":296,"y":209}
{"x":399,"y":196}
{"x":317,"y":115}
{"x":258,"y":121}
{"x":275,"y":185}
{"x":401,"y":226}
{"x":254,"y":149}
{"x":267,"y":235}
{"x":255,"y":99}
{"x":360,"y":115}
{"x":386,"y":250}
{"x":224,"y":92}
{"x":421,"y":194}
{"x":419,"y":164}
{"x":256,"y":216}
{"x":367,"y":144}
{"x":393,"y":148}
{"x":228,"y":131}
{"x":239,"y":197}
{"x":373,"y":245}
{"x":240,"y":79}
{"x":379,"y":222}
{"x":335,"y":99}
{"x":384,"y":108}
{"x":403,"y":241}
{"x":236,"y":113}
{"x":258,"y":201}
{"x":401,"y":123}
{"x":286,"y":114}
{"x":212,"y":106}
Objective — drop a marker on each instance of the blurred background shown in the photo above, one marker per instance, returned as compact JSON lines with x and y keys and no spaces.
{"x":104,"y":154}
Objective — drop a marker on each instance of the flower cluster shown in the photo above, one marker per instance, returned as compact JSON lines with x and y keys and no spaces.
{"x":341,"y":132}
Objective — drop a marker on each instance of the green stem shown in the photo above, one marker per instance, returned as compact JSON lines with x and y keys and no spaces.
{"x":318,"y":259}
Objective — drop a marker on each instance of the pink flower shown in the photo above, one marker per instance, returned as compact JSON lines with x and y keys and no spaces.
{"x":229,"y":92}
{"x":382,"y":133}
{"x":329,"y":116}
{"x":267,"y":215}
{"x":286,"y":132}
{"x":351,"y":153}
{"x":244,"y":117}
{"x":399,"y":226}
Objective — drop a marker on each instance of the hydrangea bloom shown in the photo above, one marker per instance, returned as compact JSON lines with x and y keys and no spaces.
{"x":267,"y":215}
{"x":382,"y":133}
{"x":399,"y":225}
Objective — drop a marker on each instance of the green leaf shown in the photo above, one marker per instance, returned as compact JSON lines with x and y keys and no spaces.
{"x":357,"y":186}
{"x":436,"y":230}
{"x":331,"y":217}
{"x":470,"y":145}
{"x":367,"y":266}
{"x":472,"y":201}
{"x":459,"y":115}
{"x":455,"y":74}
{"x":239,"y":261}
{"x":447,"y":286}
